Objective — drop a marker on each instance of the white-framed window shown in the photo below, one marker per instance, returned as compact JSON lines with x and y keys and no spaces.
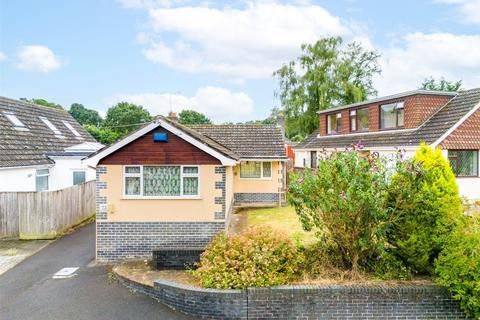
{"x":41,"y":179}
{"x":161,"y":181}
{"x":51,"y":126}
{"x":334,"y":123}
{"x":78,"y":177}
{"x":256,"y":170}
{"x":392,"y":115}
{"x":17,"y":124}
{"x":71,"y":128}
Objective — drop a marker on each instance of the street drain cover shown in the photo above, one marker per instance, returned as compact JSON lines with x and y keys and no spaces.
{"x":65,"y":273}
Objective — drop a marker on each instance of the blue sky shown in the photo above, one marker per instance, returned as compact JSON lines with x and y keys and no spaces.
{"x":218,"y":57}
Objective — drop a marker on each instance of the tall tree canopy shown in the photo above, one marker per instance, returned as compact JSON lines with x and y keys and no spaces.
{"x":43,"y":102}
{"x":125,"y":117}
{"x":102,"y":135}
{"x":325,"y":75}
{"x":441,"y":85}
{"x":192,"y":117}
{"x":85,"y":116}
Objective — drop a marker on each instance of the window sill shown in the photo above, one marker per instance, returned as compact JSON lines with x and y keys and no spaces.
{"x":124,"y":197}
{"x":256,"y":179}
{"x":467,"y":177}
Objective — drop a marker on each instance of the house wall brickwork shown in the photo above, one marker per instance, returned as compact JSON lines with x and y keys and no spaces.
{"x":466,"y":136}
{"x":305,"y":302}
{"x":323,"y":125}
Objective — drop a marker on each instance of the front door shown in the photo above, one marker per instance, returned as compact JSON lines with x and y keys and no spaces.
{"x":313,"y":159}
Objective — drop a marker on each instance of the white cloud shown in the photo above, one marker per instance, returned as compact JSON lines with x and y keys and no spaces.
{"x":469,"y":9}
{"x":38,"y":58}
{"x":218,"y":104}
{"x":446,"y":55}
{"x":249,"y":42}
{"x":3,"y":57}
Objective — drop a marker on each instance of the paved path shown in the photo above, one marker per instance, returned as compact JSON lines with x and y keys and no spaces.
{"x":28,"y":291}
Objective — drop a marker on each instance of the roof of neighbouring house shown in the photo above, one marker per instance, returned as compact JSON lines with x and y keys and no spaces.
{"x":28,"y":145}
{"x":247,"y":141}
{"x":429,"y":132}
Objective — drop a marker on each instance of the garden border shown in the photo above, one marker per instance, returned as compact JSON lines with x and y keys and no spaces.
{"x":304,"y":301}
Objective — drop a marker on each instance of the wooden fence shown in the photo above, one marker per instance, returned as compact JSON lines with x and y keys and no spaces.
{"x":44,"y":215}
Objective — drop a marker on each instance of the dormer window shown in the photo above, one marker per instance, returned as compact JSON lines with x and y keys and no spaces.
{"x":359,"y":120}
{"x":392,"y":115}
{"x":334,"y":123}
{"x":72,"y":129}
{"x":17,"y":124}
{"x":51,"y":126}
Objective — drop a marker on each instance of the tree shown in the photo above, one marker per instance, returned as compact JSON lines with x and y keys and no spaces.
{"x":192,"y":117}
{"x":441,"y":85}
{"x":325,"y":75}
{"x":427,"y":208}
{"x":125,"y":117}
{"x":272,"y":118}
{"x":85,"y":116}
{"x":102,"y":135}
{"x":43,"y":102}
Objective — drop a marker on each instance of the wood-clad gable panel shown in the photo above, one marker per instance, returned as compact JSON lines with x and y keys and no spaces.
{"x":146,"y":151}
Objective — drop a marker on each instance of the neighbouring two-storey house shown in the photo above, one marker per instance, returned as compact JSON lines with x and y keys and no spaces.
{"x":41,"y":148}
{"x":447,"y":120}
{"x":172,"y":186}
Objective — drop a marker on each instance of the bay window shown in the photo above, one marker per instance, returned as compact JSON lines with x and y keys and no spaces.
{"x":161,"y":181}
{"x":464,"y":163}
{"x":256,"y":170}
{"x":334,"y":123}
{"x":392,"y":115}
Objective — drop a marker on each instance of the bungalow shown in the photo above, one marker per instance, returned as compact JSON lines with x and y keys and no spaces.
{"x":447,"y":120}
{"x":41,"y":148}
{"x":171,"y":186}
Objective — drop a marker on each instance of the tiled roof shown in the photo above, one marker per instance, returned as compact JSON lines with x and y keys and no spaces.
{"x":429,"y":132}
{"x":247,"y":141}
{"x":26,"y":148}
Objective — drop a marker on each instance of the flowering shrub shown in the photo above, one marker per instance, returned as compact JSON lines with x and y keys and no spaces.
{"x":344,"y":201}
{"x":458,"y":267}
{"x":258,"y":257}
{"x":426,"y":208}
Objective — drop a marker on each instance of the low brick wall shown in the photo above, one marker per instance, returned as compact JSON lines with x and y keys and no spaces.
{"x":306,"y":302}
{"x":251,"y":198}
{"x":175,"y":258}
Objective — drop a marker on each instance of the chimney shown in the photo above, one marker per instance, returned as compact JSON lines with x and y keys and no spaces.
{"x":172,"y":115}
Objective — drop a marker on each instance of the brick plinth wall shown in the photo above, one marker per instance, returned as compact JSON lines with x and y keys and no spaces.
{"x":126,"y":240}
{"x":245,"y":198}
{"x":305,"y":302}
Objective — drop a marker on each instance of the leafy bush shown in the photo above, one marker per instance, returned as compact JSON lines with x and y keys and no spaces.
{"x":458,"y":267}
{"x":344,"y":201}
{"x":258,"y":257}
{"x":427,"y":208}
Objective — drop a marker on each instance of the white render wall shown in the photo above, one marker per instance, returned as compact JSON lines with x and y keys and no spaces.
{"x":468,"y":187}
{"x":61,"y":175}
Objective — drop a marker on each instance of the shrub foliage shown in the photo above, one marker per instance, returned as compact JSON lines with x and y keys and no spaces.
{"x":258,"y":257}
{"x":343,"y":200}
{"x":426,"y":208}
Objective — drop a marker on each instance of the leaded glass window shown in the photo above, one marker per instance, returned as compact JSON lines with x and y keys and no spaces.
{"x":161,"y":181}
{"x":267,"y":169}
{"x":464,"y":163}
{"x":256,"y":170}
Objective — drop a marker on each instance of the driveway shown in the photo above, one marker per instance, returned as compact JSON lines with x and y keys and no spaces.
{"x":28,"y":291}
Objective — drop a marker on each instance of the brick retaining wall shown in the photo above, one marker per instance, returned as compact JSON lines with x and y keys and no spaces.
{"x":305,"y":302}
{"x":247,"y":198}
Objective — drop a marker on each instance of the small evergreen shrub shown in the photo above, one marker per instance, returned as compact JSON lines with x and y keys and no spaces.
{"x":458,"y":267}
{"x":258,"y":257}
{"x":426,"y":208}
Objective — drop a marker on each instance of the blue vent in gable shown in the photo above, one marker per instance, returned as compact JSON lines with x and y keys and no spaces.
{"x":160,"y":136}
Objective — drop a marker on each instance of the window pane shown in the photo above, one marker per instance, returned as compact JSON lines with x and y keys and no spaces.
{"x":333,"y":123}
{"x":78,"y":177}
{"x":41,"y":183}
{"x":190,"y":186}
{"x":190,"y":170}
{"x":362,"y":119}
{"x":267,"y":169}
{"x":250,"y":169}
{"x":467,"y":163}
{"x":132,"y":185}
{"x":161,"y":181}
{"x":41,"y":172}
{"x":132,"y":169}
{"x":353,"y":123}
{"x":388,"y":116}
{"x":453,"y":164}
{"x":401,"y":116}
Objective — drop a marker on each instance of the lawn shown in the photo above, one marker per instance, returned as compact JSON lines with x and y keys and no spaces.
{"x":284,"y":219}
